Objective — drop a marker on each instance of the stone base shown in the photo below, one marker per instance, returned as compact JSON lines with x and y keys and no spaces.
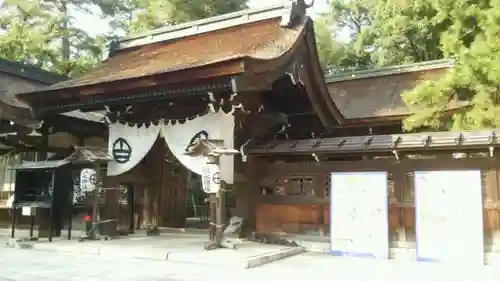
{"x":185,"y":248}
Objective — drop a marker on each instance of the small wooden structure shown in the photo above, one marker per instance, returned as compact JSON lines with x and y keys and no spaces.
{"x":44,"y":189}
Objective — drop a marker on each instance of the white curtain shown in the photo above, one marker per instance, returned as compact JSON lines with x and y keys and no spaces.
{"x":128,"y":145}
{"x":219,"y":126}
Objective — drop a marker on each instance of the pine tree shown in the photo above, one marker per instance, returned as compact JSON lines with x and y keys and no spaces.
{"x":351,"y":17}
{"x":144,"y":15}
{"x":473,"y":82}
{"x":42,"y":32}
{"x":387,"y":32}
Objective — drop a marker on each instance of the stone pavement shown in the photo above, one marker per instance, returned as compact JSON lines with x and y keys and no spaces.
{"x":18,"y":264}
{"x":29,"y":265}
{"x":175,"y":247}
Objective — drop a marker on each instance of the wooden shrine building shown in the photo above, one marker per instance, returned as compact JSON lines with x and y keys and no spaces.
{"x":204,"y":68}
{"x":22,"y":130}
{"x":251,"y":80}
{"x":23,"y":137}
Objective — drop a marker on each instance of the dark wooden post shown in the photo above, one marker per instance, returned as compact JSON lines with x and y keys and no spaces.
{"x":217,"y":201}
{"x":246,"y":194}
{"x":319,"y":192}
{"x":212,"y":206}
{"x":219,"y":216}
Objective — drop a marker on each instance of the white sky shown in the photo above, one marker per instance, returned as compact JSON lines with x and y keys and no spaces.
{"x":94,"y":25}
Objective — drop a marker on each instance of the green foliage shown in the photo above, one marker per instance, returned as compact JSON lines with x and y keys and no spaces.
{"x":392,"y":32}
{"x":336,"y":54}
{"x":473,"y":81}
{"x":43,"y":33}
{"x":386,"y":32}
{"x":144,"y":15}
{"x":343,"y":17}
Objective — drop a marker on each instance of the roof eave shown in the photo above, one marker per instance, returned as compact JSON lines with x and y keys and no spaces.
{"x":331,"y":107}
{"x":433,"y":141}
{"x":30,"y":72}
{"x":391,"y":70}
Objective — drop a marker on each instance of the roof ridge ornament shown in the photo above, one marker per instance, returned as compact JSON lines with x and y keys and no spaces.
{"x":296,"y":11}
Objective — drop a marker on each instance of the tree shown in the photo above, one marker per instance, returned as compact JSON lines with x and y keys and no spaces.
{"x":42,"y":32}
{"x":352,"y":18}
{"x":388,"y":32}
{"x":335,"y":55}
{"x":144,"y":15}
{"x":398,"y":32}
{"x":474,"y":81}
{"x":27,"y":33}
{"x":407,"y":31}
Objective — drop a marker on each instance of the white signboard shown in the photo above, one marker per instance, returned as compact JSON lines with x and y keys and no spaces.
{"x":87,"y":180}
{"x":211,"y":178}
{"x":359,"y":224}
{"x":449,"y":216}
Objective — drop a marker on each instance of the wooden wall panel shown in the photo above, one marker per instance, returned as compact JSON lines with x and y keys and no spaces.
{"x":491,"y":223}
{"x":326,"y":214}
{"x":394,"y":225}
{"x":283,"y":218}
{"x":292,"y":213}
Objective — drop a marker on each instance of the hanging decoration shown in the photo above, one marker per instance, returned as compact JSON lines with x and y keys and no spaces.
{"x":88,"y":180}
{"x":211,"y":178}
{"x":129,"y":145}
{"x":215,"y":125}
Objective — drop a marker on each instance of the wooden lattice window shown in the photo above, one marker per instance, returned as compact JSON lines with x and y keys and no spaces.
{"x":294,"y":185}
{"x":327,"y":184}
{"x":391,"y":191}
{"x":409,"y":188}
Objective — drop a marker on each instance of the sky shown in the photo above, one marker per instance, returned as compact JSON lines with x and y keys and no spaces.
{"x":94,"y":25}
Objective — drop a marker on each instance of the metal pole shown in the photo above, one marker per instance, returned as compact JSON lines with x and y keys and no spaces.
{"x":70,"y":210}
{"x":51,"y":210}
{"x":13,"y":219}
{"x":95,"y":207}
{"x":131,"y":206}
{"x":32,"y":225}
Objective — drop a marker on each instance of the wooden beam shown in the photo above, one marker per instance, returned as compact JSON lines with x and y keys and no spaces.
{"x":118,"y":90}
{"x":291,"y":200}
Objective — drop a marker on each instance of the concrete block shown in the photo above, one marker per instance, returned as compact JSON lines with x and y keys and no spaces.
{"x":315,"y":247}
{"x":273,"y":256}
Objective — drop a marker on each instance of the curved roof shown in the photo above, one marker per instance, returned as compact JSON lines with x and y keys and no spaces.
{"x":259,"y":40}
{"x":376,"y":93}
{"x":258,"y":46}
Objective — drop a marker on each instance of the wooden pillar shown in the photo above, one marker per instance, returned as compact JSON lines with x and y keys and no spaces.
{"x":319,"y":192}
{"x":111,"y":209}
{"x":42,"y":217}
{"x":246,"y":194}
{"x":399,"y":182}
{"x":212,"y":205}
{"x":42,"y":152}
{"x":174,"y":191}
{"x":152,"y":192}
